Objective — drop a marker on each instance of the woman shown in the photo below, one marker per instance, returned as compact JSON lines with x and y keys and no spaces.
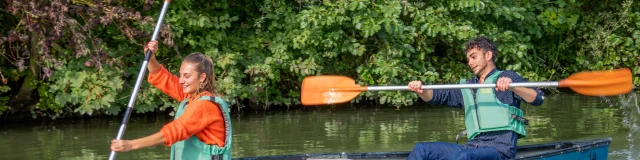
{"x":201,"y":128}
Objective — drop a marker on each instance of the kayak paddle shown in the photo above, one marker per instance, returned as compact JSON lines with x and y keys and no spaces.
{"x":333,"y":89}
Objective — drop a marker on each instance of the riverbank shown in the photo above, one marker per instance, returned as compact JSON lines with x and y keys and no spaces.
{"x":28,"y":116}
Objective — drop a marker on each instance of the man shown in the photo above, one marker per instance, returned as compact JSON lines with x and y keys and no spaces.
{"x":493,"y":118}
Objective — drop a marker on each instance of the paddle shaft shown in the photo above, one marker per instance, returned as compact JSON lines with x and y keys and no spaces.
{"x":141,"y":74}
{"x":461,"y":86}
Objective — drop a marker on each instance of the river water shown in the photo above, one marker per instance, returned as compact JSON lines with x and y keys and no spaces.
{"x":336,"y":129}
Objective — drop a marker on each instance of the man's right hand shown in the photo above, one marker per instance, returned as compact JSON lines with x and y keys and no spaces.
{"x":416,"y":86}
{"x":153,"y":46}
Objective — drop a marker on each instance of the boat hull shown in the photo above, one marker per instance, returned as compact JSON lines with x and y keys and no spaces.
{"x":597,"y":149}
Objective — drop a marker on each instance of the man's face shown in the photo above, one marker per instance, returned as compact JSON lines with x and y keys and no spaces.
{"x":478,"y":60}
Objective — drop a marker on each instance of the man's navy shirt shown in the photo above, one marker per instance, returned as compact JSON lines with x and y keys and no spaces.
{"x":503,"y":141}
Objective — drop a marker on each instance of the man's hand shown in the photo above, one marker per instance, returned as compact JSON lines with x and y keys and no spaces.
{"x":415,"y":86}
{"x":503,"y":83}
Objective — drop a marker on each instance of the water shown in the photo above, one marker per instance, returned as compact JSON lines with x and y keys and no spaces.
{"x":336,"y":129}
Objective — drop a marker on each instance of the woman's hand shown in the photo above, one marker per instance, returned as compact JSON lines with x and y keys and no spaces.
{"x":154,"y":66}
{"x":153,"y":46}
{"x":121,"y":145}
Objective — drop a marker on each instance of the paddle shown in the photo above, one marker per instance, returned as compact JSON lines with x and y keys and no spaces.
{"x":143,"y":69}
{"x":332,"y":89}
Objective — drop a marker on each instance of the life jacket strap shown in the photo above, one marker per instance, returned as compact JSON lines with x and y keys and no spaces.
{"x":521,"y":119}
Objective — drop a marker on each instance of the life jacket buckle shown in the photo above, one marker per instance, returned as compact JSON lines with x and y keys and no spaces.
{"x":460,"y":135}
{"x":521,"y":119}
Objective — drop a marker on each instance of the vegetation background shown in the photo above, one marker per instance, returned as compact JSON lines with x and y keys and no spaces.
{"x":65,"y":58}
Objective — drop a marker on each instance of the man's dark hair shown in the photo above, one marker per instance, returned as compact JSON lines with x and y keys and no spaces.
{"x":484,"y":44}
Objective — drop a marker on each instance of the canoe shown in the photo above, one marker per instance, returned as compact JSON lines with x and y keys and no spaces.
{"x":596,"y":149}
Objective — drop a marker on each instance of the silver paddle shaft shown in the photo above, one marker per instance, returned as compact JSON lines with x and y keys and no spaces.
{"x":143,"y":69}
{"x":460,"y":86}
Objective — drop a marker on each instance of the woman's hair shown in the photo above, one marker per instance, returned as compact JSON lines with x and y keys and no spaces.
{"x":204,"y":64}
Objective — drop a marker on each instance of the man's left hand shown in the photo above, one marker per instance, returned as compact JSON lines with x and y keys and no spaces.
{"x":503,"y":83}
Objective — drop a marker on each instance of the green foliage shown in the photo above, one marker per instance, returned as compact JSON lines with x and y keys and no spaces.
{"x":263,"y":49}
{"x":89,"y":90}
{"x":4,"y":100}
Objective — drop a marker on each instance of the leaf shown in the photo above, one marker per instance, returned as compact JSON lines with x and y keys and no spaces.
{"x":614,"y":40}
{"x":628,"y":42}
{"x":353,"y":5}
{"x":561,"y":3}
{"x":4,"y":89}
{"x":636,"y":35}
{"x":225,"y":17}
{"x":107,"y":99}
{"x":517,"y":66}
{"x":76,"y":82}
{"x":326,"y":2}
{"x":234,"y":18}
{"x":383,"y":100}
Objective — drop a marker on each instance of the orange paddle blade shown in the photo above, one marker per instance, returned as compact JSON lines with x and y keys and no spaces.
{"x":600,"y":83}
{"x":317,"y":90}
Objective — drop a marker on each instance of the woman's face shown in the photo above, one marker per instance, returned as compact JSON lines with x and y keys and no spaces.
{"x":190,"y":79}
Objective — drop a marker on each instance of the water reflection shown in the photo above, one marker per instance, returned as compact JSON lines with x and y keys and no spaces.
{"x":631,"y":118}
{"x":336,"y":129}
{"x":353,"y":129}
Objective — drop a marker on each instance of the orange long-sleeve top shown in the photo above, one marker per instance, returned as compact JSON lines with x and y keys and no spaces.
{"x":202,"y":118}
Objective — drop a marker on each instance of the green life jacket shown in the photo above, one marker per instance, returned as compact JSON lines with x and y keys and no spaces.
{"x":486,"y":113}
{"x":193,"y":148}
